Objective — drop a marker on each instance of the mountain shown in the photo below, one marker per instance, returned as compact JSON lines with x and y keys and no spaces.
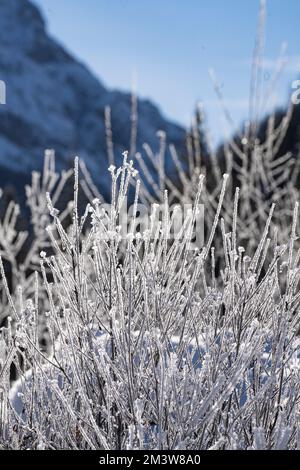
{"x":54,"y":101}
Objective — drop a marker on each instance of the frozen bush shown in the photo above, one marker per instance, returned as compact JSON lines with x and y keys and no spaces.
{"x":150,"y":348}
{"x":136,"y":341}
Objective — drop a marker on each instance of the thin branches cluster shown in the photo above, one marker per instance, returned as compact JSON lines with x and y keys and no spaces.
{"x":142,"y":340}
{"x":144,"y":343}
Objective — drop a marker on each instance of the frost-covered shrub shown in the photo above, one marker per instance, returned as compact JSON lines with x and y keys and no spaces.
{"x":149,"y":347}
{"x":137,"y":341}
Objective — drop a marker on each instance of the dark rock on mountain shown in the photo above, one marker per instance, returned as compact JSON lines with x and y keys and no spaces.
{"x":54,"y":101}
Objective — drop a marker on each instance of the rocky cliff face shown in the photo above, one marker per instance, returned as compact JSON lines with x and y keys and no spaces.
{"x":54,"y":101}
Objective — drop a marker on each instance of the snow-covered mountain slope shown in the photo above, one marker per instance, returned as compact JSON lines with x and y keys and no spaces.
{"x":54,"y":101}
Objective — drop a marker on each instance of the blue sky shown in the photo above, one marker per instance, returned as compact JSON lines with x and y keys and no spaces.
{"x":170,"y":45}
